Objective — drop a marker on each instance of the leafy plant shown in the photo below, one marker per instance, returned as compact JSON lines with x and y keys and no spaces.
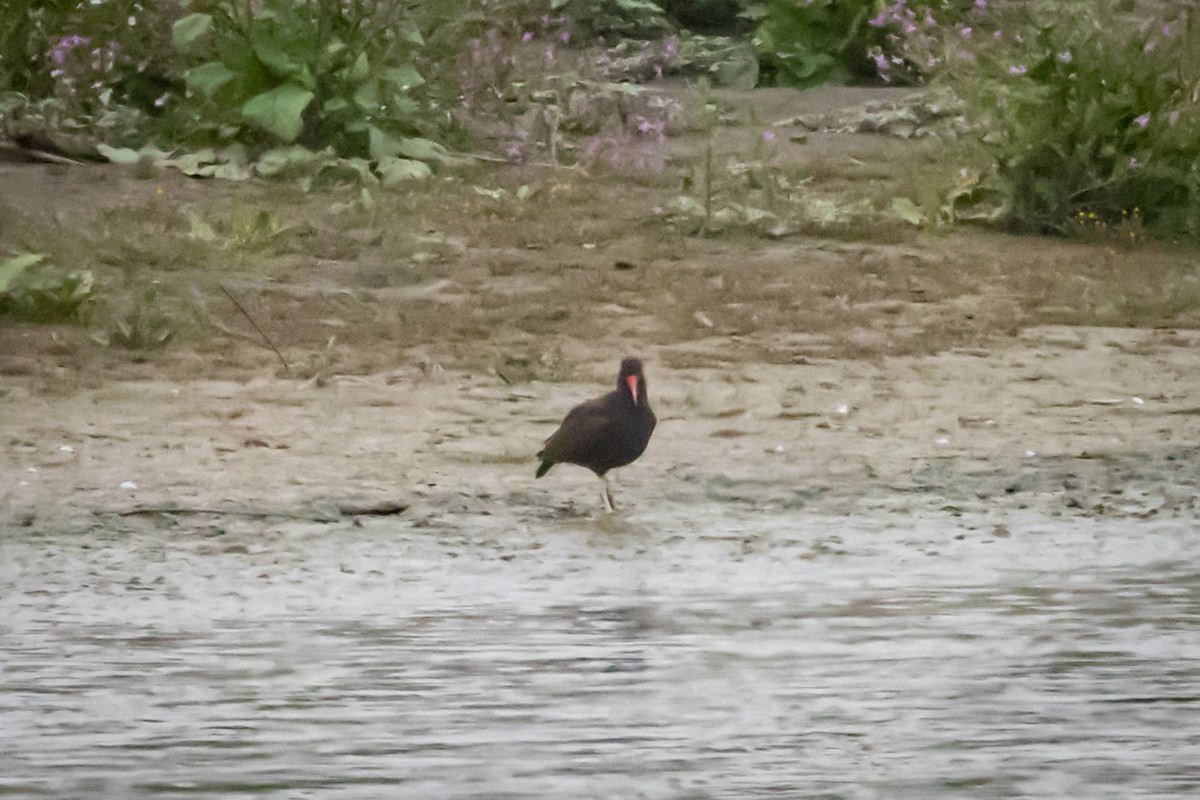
{"x":145,"y":324}
{"x":24,"y":37}
{"x":31,"y":289}
{"x":316,"y":72}
{"x":820,"y":41}
{"x":1088,"y":113}
{"x":100,"y":70}
{"x":620,"y":18}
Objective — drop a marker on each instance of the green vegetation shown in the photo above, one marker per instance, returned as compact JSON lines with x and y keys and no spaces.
{"x":804,"y":44}
{"x":1081,"y":123}
{"x":1087,"y":119}
{"x":324,"y":74}
{"x":32,"y":288}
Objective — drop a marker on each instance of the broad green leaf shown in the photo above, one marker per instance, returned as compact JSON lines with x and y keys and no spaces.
{"x":639,"y":7}
{"x":208,"y":78}
{"x":405,"y":77}
{"x":397,"y":170}
{"x":908,"y":211}
{"x":277,"y":60}
{"x":190,"y":28}
{"x":423,"y":149}
{"x":118,"y":155}
{"x":191,"y":163}
{"x":279,"y":159}
{"x":80,"y":283}
{"x":361,"y":68}
{"x":427,"y":150}
{"x":335,"y":48}
{"x":366,"y":97}
{"x":279,"y":111}
{"x":12,"y":268}
{"x":402,"y":107}
{"x":343,"y":170}
{"x":225,"y":172}
{"x":382,"y":144}
{"x":335,"y":104}
{"x":412,"y":34}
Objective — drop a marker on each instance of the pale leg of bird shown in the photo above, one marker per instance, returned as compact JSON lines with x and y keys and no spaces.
{"x":606,"y":495}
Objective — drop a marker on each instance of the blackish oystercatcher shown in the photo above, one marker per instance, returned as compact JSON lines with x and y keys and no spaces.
{"x":604,"y":433}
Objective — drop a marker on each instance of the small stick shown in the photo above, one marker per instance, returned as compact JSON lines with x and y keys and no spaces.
{"x":287,"y":370}
{"x":386,"y":508}
{"x":154,"y":511}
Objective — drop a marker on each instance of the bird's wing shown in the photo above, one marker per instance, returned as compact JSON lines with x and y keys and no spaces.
{"x":585,"y":427}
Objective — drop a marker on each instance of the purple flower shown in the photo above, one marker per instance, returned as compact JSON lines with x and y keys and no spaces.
{"x":1017,"y":69}
{"x":527,"y":37}
{"x":1134,"y":163}
{"x":1142,"y":121}
{"x":65,"y":45}
{"x":768,"y":136}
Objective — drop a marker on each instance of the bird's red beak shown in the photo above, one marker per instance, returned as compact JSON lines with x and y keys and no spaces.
{"x":632,"y":380}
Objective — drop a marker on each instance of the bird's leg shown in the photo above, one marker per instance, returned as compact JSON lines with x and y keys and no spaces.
{"x":606,"y":495}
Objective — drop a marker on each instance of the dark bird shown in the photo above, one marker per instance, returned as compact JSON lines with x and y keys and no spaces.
{"x":604,"y":433}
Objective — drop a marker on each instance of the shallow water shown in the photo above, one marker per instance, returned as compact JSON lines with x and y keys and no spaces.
{"x":685,"y":656}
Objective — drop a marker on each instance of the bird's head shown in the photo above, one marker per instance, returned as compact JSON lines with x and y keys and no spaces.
{"x":632,"y":379}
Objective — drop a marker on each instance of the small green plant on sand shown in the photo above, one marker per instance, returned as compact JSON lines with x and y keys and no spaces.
{"x":33,"y":289}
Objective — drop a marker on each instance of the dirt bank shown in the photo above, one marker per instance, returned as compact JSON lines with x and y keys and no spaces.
{"x":435,"y":339}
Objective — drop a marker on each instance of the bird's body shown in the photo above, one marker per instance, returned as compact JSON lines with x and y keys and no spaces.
{"x":607,"y":432}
